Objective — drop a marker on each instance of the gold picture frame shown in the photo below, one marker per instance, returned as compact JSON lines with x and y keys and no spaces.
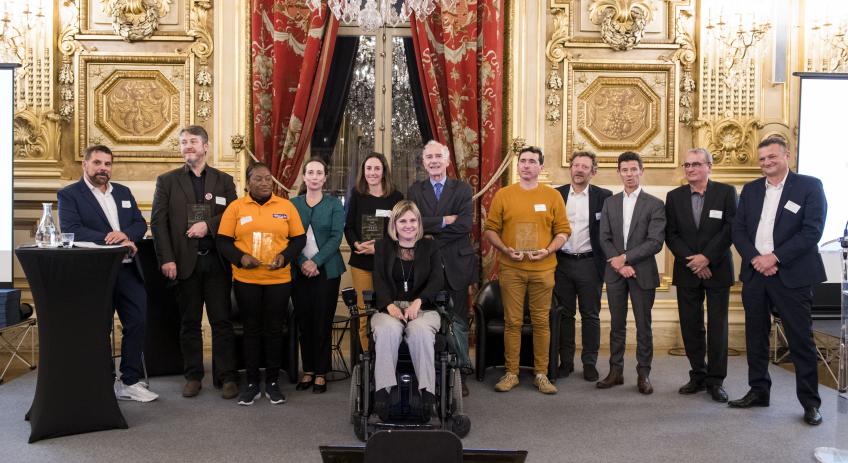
{"x":613,"y":107}
{"x":136,"y":105}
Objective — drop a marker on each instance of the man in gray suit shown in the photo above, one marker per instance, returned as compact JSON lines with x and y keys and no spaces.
{"x":446,"y":211}
{"x":632,"y":232}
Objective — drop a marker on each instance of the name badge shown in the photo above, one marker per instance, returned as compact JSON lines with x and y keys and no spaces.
{"x":597,"y":216}
{"x":220,"y":200}
{"x":382,"y":213}
{"x":540,"y":208}
{"x":715,"y":214}
{"x":246,"y":219}
{"x":126,"y":204}
{"x":792,"y":207}
{"x":280,"y":216}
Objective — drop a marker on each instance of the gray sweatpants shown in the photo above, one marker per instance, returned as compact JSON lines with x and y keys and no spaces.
{"x":420,"y":337}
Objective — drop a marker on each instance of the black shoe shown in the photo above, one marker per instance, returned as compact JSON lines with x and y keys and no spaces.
{"x":692,"y":387}
{"x":590,"y":373}
{"x":250,"y":394}
{"x":274,"y":394}
{"x":565,"y":369}
{"x":751,"y":399}
{"x":304,"y":385}
{"x":812,"y":416}
{"x":717,"y":393}
{"x":319,"y":388}
{"x":428,"y":402}
{"x":382,"y":400}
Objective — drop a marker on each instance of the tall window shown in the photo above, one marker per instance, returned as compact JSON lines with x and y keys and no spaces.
{"x":379,"y":113}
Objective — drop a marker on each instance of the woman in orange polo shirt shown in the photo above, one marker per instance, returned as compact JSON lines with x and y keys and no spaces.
{"x":261,"y":234}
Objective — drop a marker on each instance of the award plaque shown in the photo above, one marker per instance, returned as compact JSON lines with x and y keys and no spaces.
{"x":263,"y":247}
{"x":198,"y":213}
{"x":372,"y":227}
{"x":526,"y":236}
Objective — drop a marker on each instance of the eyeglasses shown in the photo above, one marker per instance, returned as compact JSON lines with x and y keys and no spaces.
{"x":695,"y":165}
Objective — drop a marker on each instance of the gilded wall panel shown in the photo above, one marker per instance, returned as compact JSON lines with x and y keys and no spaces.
{"x":613,"y":107}
{"x":133,"y":20}
{"x":135,"y":104}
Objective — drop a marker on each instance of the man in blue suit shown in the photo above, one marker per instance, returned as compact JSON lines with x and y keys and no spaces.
{"x":778,"y":224}
{"x":96,"y":210}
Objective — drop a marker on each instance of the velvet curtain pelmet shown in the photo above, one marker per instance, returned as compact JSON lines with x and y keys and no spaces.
{"x":460,"y":62}
{"x":291,"y":52}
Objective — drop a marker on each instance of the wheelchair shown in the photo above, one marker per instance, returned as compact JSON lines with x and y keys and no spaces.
{"x":406,"y":410}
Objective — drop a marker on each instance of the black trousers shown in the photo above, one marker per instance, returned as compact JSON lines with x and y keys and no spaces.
{"x":130,"y":301}
{"x":577,"y":284}
{"x":209,"y":283}
{"x":263,"y":310}
{"x":792,"y":305}
{"x":690,"y":307}
{"x":315,"y":305}
{"x":642,"y":301}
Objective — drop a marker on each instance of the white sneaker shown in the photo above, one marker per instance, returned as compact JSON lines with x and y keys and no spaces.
{"x":135,"y":392}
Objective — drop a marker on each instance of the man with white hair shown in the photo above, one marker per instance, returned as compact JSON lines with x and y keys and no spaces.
{"x":446,"y":211}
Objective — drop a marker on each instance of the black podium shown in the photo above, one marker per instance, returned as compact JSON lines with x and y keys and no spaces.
{"x":162,"y":354}
{"x":72,"y":290}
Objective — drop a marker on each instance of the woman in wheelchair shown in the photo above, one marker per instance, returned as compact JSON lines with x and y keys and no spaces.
{"x":407,"y":277}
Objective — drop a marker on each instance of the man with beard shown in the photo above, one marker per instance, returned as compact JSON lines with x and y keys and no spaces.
{"x":97,"y":210}
{"x":446,"y":210}
{"x":187,"y":207}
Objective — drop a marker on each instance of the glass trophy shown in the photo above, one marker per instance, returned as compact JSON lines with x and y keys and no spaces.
{"x":526,"y":236}
{"x":263,"y":247}
{"x":372,"y":227}
{"x":198,"y":213}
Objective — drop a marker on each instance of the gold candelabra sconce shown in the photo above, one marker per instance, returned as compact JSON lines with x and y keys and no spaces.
{"x":735,"y":44}
{"x":21,"y":31}
{"x":830,"y":52}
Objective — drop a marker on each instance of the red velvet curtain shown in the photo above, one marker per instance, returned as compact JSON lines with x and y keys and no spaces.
{"x":460,"y":60}
{"x":291,"y":52}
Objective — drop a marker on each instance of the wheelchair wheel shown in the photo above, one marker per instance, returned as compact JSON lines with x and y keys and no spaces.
{"x":359,"y":424}
{"x":355,"y":386}
{"x":460,"y":425}
{"x":456,"y":393}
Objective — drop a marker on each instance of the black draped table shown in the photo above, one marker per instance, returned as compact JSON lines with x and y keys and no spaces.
{"x":72,"y":290}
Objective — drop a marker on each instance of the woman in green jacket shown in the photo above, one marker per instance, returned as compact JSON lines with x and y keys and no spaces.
{"x":317,"y":273}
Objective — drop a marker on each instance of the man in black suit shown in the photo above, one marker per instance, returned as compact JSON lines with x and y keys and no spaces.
{"x":187,"y":208}
{"x":446,"y":211}
{"x":699,"y":217}
{"x":777,"y":228}
{"x":632,"y":233}
{"x":98,"y":210}
{"x":580,"y":266}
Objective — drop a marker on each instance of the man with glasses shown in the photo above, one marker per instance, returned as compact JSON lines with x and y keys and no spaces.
{"x":699,"y":217}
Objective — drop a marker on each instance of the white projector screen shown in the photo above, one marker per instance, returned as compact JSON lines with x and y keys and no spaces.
{"x":7,"y":110}
{"x":824,"y":98}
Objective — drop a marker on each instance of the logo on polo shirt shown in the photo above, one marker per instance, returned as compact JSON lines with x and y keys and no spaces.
{"x":280,"y":216}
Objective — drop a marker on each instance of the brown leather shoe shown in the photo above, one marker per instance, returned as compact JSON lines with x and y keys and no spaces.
{"x":614,"y":378}
{"x":230,"y":390}
{"x":644,"y":384}
{"x":191,"y":388}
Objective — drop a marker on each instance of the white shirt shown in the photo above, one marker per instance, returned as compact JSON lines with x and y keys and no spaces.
{"x":764,"y":240}
{"x":629,"y":204}
{"x":107,"y":203}
{"x":311,"y":247}
{"x":577,"y":209}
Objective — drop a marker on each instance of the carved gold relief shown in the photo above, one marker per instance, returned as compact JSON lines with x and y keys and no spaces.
{"x":137,"y":106}
{"x":730,"y":141}
{"x":36,"y":135}
{"x":615,"y":107}
{"x":135,"y":20}
{"x":622,"y":21}
{"x":618,"y":113}
{"x":202,"y":49}
{"x":686,"y":56}
{"x":68,"y":47}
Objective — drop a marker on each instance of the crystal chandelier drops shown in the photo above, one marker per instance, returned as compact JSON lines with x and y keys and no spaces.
{"x":371,"y":15}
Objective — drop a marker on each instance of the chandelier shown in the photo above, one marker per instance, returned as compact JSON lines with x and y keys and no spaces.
{"x":21,"y":31}
{"x":371,"y":15}
{"x":736,"y":43}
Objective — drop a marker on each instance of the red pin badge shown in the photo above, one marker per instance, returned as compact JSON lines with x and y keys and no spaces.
{"x":208,"y":196}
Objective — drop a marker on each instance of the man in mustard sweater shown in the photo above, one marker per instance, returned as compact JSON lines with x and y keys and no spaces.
{"x":527,"y":223}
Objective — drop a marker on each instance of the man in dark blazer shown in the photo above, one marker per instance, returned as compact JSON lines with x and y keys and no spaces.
{"x":579,"y":274}
{"x":699,"y":217}
{"x":777,"y":227}
{"x":632,"y":233}
{"x":97,"y":210}
{"x":187,"y":208}
{"x":446,"y":211}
